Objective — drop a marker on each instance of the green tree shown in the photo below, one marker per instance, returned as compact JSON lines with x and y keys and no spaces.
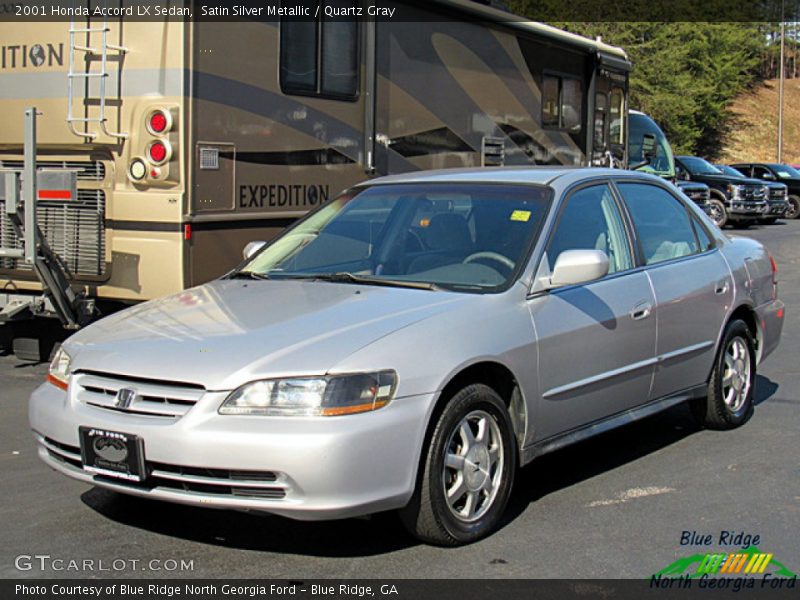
{"x":685,"y":74}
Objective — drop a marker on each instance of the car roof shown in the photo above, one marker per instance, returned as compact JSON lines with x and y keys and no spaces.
{"x":544,"y":175}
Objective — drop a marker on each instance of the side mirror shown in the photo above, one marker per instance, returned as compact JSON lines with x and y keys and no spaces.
{"x":251,"y":248}
{"x":768,"y":175}
{"x":578,"y":266}
{"x":649,"y":146}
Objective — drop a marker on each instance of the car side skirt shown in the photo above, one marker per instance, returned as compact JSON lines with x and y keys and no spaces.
{"x":579,"y":434}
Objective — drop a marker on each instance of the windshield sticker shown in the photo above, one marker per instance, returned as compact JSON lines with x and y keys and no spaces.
{"x":521,"y":215}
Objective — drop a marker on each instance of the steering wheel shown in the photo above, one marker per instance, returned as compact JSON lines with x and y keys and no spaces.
{"x":495,"y":256}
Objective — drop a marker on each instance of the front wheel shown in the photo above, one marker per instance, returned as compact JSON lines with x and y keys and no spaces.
{"x":467,"y":473}
{"x":717,"y":212}
{"x":794,"y":207}
{"x":729,"y":402}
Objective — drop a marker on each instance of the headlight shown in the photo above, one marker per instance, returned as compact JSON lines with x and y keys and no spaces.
{"x":735,"y":191}
{"x":59,"y":371}
{"x":313,"y":396}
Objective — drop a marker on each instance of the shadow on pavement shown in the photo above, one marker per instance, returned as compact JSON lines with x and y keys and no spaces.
{"x":379,"y":534}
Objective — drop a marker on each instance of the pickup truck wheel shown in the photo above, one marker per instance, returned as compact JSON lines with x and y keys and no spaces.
{"x":731,"y":388}
{"x":717,"y":212}
{"x":794,"y":207}
{"x":467,"y":473}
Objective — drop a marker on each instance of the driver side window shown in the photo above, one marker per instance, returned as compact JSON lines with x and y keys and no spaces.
{"x":590,"y":220}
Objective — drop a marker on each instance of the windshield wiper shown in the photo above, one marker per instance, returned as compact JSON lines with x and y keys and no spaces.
{"x":347,"y":277}
{"x":247,"y":275}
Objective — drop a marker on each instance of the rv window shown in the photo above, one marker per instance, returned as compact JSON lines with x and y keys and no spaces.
{"x":617,"y":133}
{"x":571,"y":101}
{"x":299,"y":56}
{"x":550,"y":103}
{"x":562,"y":103}
{"x":319,"y":58}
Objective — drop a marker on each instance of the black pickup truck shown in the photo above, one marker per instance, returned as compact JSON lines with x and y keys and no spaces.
{"x":776,"y":196}
{"x":785,"y":174}
{"x":733,"y":199}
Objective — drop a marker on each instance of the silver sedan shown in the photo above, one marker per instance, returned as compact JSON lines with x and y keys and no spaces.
{"x":413,"y":342}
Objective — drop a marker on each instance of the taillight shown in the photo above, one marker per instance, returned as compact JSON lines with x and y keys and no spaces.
{"x":159,"y":122}
{"x":159,"y":152}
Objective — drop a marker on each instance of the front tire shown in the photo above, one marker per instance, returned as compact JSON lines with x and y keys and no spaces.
{"x":729,"y":403}
{"x":717,"y":212}
{"x":468,"y":471}
{"x":794,"y":207}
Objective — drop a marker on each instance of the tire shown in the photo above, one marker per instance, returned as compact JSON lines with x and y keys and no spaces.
{"x":730,"y":405}
{"x":717,"y":212}
{"x":481,"y":475}
{"x":794,"y":207}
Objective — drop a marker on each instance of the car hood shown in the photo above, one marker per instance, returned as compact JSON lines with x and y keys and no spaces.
{"x":228,"y":332}
{"x":729,"y":179}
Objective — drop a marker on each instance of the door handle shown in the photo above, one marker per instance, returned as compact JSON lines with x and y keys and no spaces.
{"x":722,"y":288}
{"x":641,"y":311}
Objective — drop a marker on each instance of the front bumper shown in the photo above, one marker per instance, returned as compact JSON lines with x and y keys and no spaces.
{"x":738,"y":209}
{"x":304,"y":468}
{"x":777,"y":208}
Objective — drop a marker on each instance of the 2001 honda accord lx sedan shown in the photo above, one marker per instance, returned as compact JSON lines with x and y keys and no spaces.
{"x":411,"y":343}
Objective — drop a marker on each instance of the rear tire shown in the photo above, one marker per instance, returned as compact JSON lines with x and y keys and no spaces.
{"x":467,"y":471}
{"x":731,"y":388}
{"x":717,"y":212}
{"x":794,"y":207}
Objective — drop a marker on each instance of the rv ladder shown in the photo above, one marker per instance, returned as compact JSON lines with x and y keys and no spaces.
{"x":102,"y":75}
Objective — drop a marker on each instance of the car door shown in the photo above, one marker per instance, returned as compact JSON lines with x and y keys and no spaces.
{"x":596,"y":341}
{"x":691,"y":281}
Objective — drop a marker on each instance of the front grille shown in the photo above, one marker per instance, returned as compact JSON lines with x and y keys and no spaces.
{"x":75,"y":230}
{"x":266,"y":485}
{"x":777,"y":194}
{"x":148,"y":397}
{"x":753,"y":194}
{"x":87,"y":170}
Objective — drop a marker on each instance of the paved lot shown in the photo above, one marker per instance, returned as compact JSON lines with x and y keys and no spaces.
{"x":611,"y":507}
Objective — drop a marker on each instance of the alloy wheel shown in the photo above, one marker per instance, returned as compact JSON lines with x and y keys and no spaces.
{"x":473,"y":466}
{"x":736,"y":376}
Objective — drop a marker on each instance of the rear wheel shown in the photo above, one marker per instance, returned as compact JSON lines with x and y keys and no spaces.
{"x":717,"y":212}
{"x":467,"y":473}
{"x":794,"y":207}
{"x":729,"y":402}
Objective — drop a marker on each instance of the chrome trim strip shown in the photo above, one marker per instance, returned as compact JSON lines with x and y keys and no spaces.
{"x":237,"y":483}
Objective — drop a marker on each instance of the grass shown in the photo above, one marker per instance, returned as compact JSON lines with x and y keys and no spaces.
{"x":754,"y":135}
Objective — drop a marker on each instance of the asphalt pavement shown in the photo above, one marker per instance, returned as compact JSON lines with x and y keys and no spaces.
{"x":616,"y":506}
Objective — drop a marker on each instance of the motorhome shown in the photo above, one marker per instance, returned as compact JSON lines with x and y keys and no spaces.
{"x":190,"y":138}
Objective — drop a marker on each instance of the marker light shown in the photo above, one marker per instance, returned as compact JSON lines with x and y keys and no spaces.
{"x":159,"y":152}
{"x":159,"y":122}
{"x":59,"y":371}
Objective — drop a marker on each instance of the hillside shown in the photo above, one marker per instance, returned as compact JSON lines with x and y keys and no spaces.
{"x":755,"y":131}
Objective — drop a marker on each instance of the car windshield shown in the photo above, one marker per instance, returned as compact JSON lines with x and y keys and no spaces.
{"x":729,"y":171}
{"x":786,"y":172}
{"x":662,"y":163}
{"x":699,"y":166}
{"x":455,"y":236}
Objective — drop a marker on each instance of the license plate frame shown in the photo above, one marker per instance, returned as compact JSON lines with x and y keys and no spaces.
{"x":112,"y":454}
